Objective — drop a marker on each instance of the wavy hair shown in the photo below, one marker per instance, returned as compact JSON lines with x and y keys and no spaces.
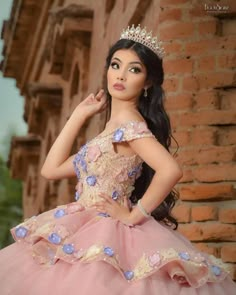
{"x":153,"y":111}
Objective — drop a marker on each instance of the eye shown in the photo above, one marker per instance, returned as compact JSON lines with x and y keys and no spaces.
{"x":114,"y":65}
{"x":135,"y":70}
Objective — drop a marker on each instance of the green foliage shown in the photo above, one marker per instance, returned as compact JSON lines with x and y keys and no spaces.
{"x":10,"y":204}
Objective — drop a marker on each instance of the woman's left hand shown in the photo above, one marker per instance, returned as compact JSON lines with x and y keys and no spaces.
{"x":113,"y":208}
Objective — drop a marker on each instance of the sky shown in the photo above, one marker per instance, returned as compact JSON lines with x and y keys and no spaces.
{"x":11,"y":103}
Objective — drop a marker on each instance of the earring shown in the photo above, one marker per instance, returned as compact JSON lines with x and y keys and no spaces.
{"x":145,"y":92}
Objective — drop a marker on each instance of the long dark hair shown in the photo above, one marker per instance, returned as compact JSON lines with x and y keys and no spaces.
{"x":153,"y":111}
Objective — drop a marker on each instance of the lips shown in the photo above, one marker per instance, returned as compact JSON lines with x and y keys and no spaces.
{"x":119,"y":86}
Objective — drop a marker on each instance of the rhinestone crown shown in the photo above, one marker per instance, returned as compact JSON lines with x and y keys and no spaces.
{"x":142,"y":36}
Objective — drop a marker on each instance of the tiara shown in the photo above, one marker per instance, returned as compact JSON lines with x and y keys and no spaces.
{"x":142,"y":36}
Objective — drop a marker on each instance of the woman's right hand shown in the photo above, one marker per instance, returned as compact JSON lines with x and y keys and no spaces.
{"x":93,"y":104}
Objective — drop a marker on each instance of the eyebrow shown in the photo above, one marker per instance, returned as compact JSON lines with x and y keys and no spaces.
{"x":132,"y":62}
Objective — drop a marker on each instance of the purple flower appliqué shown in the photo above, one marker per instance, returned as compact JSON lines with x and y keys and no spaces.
{"x":93,"y":153}
{"x":54,"y":239}
{"x":91,"y":180}
{"x":115,"y":195}
{"x":59,"y":213}
{"x":216,"y":270}
{"x":68,"y":248}
{"x":184,"y":256}
{"x":108,"y":251}
{"x":129,"y":275}
{"x":118,"y":135}
{"x":21,"y":232}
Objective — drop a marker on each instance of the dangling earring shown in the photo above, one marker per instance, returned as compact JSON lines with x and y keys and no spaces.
{"x":145,"y":92}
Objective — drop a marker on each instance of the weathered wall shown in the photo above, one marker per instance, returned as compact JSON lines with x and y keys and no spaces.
{"x":56,"y":51}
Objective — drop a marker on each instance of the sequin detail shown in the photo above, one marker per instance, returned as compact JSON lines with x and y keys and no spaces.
{"x":21,"y":232}
{"x":54,"y":238}
{"x":216,"y":270}
{"x":184,"y":256}
{"x":129,"y":275}
{"x":77,"y":196}
{"x":108,"y":251}
{"x":68,"y":249}
{"x":115,"y":195}
{"x":59,"y":213}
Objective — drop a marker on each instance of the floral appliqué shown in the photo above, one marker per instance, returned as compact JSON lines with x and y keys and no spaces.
{"x":93,"y":153}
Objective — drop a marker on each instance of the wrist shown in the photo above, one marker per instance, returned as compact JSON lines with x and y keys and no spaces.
{"x":136,"y":216}
{"x":80,"y":113}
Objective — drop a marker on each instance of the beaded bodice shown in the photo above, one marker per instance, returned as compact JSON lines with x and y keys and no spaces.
{"x":100,"y":169}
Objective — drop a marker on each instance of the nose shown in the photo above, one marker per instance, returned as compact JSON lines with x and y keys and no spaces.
{"x":121,"y":76}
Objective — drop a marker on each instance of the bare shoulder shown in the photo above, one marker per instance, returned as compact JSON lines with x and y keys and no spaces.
{"x":128,"y":115}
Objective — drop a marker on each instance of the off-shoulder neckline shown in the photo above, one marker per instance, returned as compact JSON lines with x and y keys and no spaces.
{"x":122,"y":125}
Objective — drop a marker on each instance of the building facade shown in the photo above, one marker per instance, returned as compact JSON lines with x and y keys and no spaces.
{"x":56,"y":50}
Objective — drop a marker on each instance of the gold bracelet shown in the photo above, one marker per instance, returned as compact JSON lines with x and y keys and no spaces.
{"x":142,"y":210}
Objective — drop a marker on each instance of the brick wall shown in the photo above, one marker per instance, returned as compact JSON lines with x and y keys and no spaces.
{"x":200,"y":88}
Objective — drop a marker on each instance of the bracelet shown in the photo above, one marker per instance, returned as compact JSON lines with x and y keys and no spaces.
{"x":143,"y":211}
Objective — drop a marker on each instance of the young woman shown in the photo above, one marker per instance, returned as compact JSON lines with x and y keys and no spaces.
{"x":118,"y":236}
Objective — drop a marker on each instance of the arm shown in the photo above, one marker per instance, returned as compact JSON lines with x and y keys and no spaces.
{"x":167,"y":174}
{"x":59,"y":163}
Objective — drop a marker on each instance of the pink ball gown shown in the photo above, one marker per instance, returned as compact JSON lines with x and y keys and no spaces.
{"x":74,"y":250}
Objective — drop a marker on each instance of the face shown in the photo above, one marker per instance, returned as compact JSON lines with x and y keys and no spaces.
{"x":126,"y":75}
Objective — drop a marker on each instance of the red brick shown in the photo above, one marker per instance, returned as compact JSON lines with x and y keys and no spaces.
{"x":187,"y":175}
{"x":182,"y":212}
{"x":207,"y":27}
{"x":208,"y":117}
{"x":170,"y":14}
{"x":228,"y":253}
{"x":225,"y":43}
{"x":213,"y":173}
{"x":173,"y":49}
{"x":177,"y":66}
{"x":228,"y":26}
{"x":226,"y":61}
{"x":196,"y":12}
{"x":204,"y":213}
{"x":190,"y":83}
{"x":215,"y":79}
{"x":206,"y":155}
{"x":187,"y":156}
{"x":206,"y":63}
{"x":227,"y":215}
{"x":174,"y":119}
{"x":216,"y":154}
{"x":210,"y":231}
{"x":226,"y":135}
{"x":227,"y":99}
{"x":171,"y":85}
{"x":200,"y":47}
{"x":182,"y":137}
{"x":203,"y":136}
{"x":177,"y":31}
{"x":194,"y":192}
{"x":181,"y":101}
{"x":204,"y":247}
{"x":206,"y":100}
